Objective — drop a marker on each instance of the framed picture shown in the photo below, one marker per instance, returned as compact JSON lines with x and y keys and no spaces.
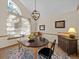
{"x":41,"y":27}
{"x":60,"y":24}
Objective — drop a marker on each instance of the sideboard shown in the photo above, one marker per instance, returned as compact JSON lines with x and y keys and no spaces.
{"x":68,"y":45}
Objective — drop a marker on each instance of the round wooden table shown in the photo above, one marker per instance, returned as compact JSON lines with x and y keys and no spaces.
{"x":35,"y":43}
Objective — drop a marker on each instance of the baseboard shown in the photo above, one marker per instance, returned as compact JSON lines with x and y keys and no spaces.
{"x":9,"y":46}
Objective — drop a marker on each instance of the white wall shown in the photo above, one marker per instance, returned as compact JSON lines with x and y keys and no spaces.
{"x":71,"y":20}
{"x":52,"y":10}
{"x":3,"y":21}
{"x":3,"y":16}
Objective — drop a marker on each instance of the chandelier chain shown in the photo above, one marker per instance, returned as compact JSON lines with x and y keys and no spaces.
{"x":35,"y":4}
{"x":35,"y":13}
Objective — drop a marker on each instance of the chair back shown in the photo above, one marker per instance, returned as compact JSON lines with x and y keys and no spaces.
{"x":46,"y":51}
{"x":53,"y":45}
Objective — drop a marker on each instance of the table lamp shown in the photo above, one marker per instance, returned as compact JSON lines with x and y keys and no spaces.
{"x":72,"y":32}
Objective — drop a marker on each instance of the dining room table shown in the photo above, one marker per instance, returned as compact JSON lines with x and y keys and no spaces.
{"x":34,"y":43}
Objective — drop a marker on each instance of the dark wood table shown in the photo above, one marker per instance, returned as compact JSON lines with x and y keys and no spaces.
{"x":35,"y":43}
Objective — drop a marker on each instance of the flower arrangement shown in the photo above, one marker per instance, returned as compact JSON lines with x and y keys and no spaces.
{"x":34,"y":35}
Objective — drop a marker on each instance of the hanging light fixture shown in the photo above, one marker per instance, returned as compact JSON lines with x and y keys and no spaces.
{"x":35,"y":13}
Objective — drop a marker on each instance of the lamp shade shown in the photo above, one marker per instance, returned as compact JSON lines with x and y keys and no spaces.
{"x":72,"y":30}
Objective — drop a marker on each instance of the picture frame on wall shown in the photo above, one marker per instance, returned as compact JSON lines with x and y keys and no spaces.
{"x":41,"y":27}
{"x":60,"y":24}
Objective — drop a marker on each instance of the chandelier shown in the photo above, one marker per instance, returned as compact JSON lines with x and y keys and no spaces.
{"x":35,"y":13}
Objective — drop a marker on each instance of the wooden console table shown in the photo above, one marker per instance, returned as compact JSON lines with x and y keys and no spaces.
{"x":67,"y":44}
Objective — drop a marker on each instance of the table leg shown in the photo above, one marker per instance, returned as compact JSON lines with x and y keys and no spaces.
{"x":20,"y":46}
{"x":35,"y":53}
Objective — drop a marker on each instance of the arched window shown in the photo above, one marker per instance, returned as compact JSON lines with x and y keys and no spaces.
{"x":16,"y":25}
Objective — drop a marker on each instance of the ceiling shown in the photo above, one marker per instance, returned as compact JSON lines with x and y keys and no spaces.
{"x":51,"y":7}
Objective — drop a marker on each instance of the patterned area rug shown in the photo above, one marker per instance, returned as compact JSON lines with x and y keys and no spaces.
{"x":28,"y":54}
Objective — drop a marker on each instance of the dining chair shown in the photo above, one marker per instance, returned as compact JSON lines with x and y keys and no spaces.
{"x":47,"y":52}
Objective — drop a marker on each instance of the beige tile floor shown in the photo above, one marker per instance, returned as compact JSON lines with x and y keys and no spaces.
{"x":58,"y":51}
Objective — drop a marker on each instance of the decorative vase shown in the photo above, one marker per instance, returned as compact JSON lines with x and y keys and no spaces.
{"x":72,"y":36}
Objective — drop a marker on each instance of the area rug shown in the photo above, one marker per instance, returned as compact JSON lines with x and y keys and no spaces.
{"x":29,"y":54}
